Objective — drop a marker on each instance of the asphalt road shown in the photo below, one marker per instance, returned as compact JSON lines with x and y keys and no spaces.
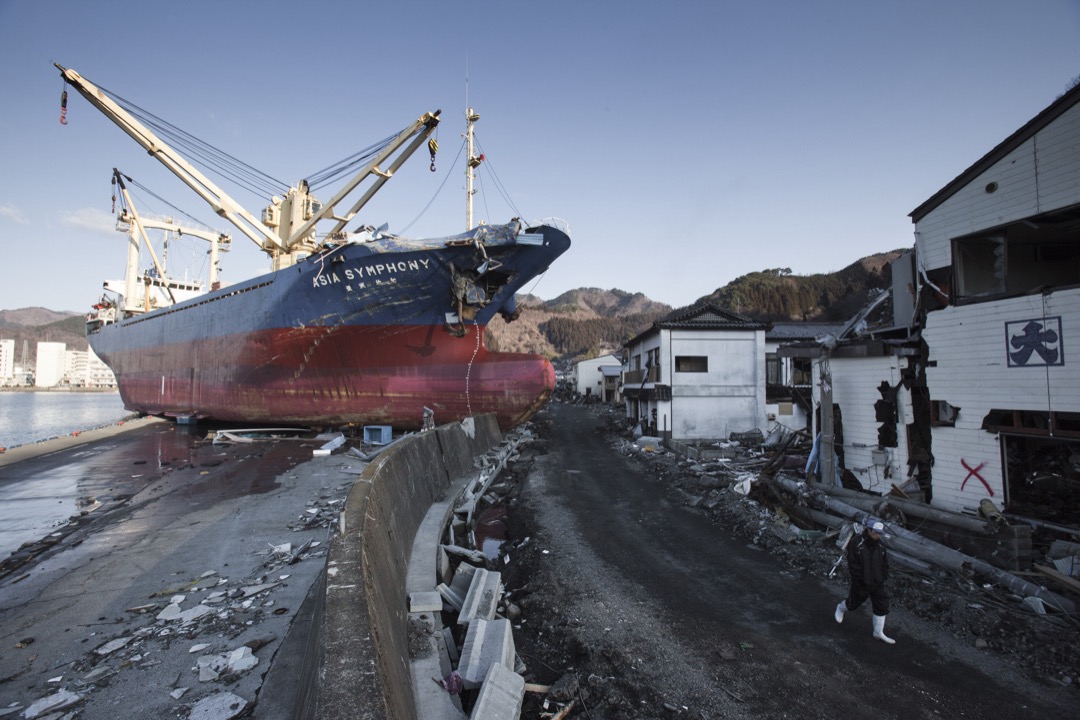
{"x":170,"y":518}
{"x":675,"y":607}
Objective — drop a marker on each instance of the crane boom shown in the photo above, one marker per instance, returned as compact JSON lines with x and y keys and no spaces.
{"x":217,"y":198}
{"x":287,"y":230}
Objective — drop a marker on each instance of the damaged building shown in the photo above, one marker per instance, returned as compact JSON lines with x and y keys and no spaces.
{"x":998,"y":252}
{"x":958,"y":386}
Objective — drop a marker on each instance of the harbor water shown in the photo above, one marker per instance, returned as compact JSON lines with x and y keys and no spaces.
{"x":29,"y":417}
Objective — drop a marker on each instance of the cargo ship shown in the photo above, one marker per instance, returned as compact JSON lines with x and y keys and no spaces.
{"x":350,"y":326}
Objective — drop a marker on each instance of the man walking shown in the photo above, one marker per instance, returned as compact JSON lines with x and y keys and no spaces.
{"x":868,"y":565}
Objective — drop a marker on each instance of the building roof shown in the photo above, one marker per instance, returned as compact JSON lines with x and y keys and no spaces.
{"x":1018,"y":138}
{"x":702,"y":317}
{"x":611,"y":370}
{"x":792,"y":331}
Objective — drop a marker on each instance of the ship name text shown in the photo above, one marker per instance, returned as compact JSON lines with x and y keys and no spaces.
{"x":324,"y":279}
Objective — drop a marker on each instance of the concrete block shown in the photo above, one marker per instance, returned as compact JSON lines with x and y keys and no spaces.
{"x":450,"y":645}
{"x":430,"y":601}
{"x":452,"y":597}
{"x":483,"y":597}
{"x":501,"y":696}
{"x":487,"y":642}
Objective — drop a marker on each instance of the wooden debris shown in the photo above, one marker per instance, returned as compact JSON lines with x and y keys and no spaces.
{"x":1070,"y":583}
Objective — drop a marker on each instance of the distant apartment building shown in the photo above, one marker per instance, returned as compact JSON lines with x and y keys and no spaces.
{"x":7,"y":362}
{"x":98,"y":374}
{"x":75,"y":363}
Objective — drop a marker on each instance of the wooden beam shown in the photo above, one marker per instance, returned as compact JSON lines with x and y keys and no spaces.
{"x":1071,"y":583}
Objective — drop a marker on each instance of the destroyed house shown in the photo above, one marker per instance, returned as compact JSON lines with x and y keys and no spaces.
{"x":998,"y":252}
{"x":697,"y":374}
{"x":789,"y":380}
{"x":865,"y":376}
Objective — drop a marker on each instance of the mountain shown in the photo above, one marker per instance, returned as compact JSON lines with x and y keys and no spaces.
{"x":776,"y":295}
{"x":30,"y":326}
{"x":576,"y":325}
{"x":31,"y":317}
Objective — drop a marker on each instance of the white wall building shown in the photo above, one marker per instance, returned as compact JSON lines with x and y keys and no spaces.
{"x":999,"y":260}
{"x":587,"y":378}
{"x":50,"y":364}
{"x":697,"y":375}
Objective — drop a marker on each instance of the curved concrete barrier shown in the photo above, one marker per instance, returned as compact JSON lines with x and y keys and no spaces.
{"x":358,"y":666}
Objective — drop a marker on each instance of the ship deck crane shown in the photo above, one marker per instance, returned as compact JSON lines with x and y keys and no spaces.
{"x":287,"y":229}
{"x":136,"y":226}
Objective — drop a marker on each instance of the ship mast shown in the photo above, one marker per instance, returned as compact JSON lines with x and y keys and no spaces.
{"x":471,"y":164}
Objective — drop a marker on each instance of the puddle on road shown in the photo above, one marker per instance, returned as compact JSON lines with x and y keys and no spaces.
{"x":40,"y":495}
{"x":491,"y":531}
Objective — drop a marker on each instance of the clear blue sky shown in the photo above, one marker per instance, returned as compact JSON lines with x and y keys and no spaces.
{"x":686,"y":142}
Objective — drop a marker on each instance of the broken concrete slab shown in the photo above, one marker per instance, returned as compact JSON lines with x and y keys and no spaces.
{"x":113,"y":646}
{"x":256,"y":589}
{"x":189,"y":616}
{"x":425,"y":602}
{"x":485,"y":590}
{"x":57,"y":701}
{"x":486,"y":643}
{"x":241,"y":659}
{"x":501,"y":696}
{"x":222,"y":706}
{"x":171,"y":612}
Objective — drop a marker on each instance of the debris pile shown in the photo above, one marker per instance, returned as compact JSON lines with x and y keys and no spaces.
{"x":1026,"y":612}
{"x":488,"y":678}
{"x":561,"y":629}
{"x":212,"y":619}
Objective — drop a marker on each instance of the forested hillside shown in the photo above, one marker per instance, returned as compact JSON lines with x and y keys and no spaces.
{"x":777,"y":294}
{"x":578,"y":324}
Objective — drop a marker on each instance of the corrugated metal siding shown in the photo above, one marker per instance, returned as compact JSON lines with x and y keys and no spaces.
{"x":972,"y":372}
{"x":1041,"y":175}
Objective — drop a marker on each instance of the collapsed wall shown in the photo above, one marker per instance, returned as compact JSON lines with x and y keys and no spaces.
{"x":358,"y":666}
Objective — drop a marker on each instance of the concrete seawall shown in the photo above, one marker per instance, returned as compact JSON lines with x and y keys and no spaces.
{"x":359,"y":665}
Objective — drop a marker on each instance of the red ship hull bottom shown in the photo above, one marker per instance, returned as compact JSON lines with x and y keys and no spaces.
{"x":332,"y":376}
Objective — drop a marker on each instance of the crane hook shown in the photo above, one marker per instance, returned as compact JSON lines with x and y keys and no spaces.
{"x":433,"y":147}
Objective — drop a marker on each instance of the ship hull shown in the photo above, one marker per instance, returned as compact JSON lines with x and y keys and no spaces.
{"x":369,"y":333}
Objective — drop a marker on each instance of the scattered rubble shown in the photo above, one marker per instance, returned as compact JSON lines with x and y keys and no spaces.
{"x":214,"y":610}
{"x":724,"y":481}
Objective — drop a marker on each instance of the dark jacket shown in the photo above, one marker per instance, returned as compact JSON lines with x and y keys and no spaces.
{"x":868,"y":562}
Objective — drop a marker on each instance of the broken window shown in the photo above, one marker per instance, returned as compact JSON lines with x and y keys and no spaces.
{"x":1021,"y":258}
{"x":801,"y":371}
{"x":691,"y":363}
{"x":1042,"y":477}
{"x":942,"y":414}
{"x":1041,"y":453}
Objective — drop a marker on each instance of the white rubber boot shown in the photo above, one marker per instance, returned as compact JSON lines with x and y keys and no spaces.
{"x":840,"y":610}
{"x":879,"y":630}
